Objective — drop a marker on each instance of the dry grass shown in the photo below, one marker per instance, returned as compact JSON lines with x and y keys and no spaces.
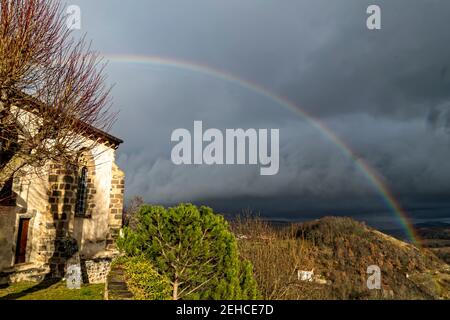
{"x":276,"y":255}
{"x":339,"y":250}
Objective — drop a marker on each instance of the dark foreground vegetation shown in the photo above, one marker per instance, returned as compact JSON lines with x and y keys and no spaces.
{"x":187,"y":252}
{"x":192,"y":253}
{"x":184,"y":252}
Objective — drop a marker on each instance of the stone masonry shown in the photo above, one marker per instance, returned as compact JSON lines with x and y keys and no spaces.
{"x":57,"y":233}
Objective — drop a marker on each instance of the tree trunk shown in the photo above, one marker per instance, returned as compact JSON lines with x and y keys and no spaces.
{"x":175,"y":289}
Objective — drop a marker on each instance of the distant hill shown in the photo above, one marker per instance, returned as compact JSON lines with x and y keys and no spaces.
{"x":436,"y":231}
{"x":346,"y":248}
{"x":436,"y":237}
{"x":340,"y":250}
{"x":432,"y":224}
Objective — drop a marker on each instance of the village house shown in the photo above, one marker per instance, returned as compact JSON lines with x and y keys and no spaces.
{"x":64,"y":213}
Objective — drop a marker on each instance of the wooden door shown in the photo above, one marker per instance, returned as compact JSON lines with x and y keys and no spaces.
{"x":22,"y":238}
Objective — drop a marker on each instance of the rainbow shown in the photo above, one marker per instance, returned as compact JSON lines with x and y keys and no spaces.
{"x":372,"y":176}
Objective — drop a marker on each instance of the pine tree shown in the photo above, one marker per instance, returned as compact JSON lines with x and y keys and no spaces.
{"x":194,"y":248}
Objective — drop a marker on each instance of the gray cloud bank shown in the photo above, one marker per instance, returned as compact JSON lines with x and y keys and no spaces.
{"x":386,"y":93}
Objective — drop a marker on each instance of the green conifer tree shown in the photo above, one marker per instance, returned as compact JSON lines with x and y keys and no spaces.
{"x":194,"y":249}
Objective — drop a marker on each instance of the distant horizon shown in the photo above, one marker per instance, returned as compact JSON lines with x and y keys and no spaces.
{"x":381,"y":220}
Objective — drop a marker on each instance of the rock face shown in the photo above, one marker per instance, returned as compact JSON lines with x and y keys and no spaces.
{"x":61,"y":211}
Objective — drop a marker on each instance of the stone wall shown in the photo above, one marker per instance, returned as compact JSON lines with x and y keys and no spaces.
{"x":116,"y":206}
{"x":7,"y":245}
{"x":56,"y":231}
{"x":88,"y":233}
{"x":96,"y":270}
{"x":26,"y":273}
{"x":58,"y":245}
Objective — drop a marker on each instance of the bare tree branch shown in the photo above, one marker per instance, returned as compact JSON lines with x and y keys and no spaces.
{"x":52,"y":88}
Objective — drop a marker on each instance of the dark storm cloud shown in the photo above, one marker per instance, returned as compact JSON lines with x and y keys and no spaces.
{"x":386,"y":93}
{"x":398,"y":71}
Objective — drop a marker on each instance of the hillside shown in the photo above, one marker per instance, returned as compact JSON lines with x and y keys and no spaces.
{"x":436,"y":237}
{"x":339,"y":250}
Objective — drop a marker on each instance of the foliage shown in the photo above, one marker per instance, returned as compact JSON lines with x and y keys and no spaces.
{"x":143,"y":281}
{"x":194,"y":248}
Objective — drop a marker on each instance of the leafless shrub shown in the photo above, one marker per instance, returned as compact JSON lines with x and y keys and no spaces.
{"x":277,"y":255}
{"x":130,"y":210}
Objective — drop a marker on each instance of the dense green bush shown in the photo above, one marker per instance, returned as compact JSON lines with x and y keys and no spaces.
{"x":143,"y":281}
{"x":194,"y":249}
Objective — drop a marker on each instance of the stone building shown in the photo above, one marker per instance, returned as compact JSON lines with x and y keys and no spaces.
{"x":65,"y":213}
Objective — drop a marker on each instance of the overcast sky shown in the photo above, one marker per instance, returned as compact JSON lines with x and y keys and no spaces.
{"x":385,"y":93}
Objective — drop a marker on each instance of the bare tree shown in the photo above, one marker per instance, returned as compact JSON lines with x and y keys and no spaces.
{"x":53,"y":98}
{"x":130,"y":211}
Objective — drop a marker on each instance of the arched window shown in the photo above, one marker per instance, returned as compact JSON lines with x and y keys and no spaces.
{"x":82,"y":193}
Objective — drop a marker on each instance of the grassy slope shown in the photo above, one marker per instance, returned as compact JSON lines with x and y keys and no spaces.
{"x":51,"y":291}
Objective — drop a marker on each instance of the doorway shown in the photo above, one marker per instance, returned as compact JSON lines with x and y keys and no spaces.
{"x":22,"y":239}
